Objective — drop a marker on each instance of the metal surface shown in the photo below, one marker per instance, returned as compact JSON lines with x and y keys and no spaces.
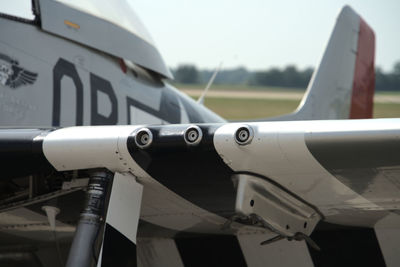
{"x":121,"y":223}
{"x":77,"y":85}
{"x":284,"y":152}
{"x":387,"y":232}
{"x":329,"y":92}
{"x":244,"y":134}
{"x":82,"y":249}
{"x":193,"y":135}
{"x":93,"y":20}
{"x":346,"y":172}
{"x":22,"y":147}
{"x":38,"y":199}
{"x":143,"y":137}
{"x":284,"y":213}
{"x":279,"y":152}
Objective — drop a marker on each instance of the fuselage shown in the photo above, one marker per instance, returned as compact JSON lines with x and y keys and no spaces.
{"x":76,"y":85}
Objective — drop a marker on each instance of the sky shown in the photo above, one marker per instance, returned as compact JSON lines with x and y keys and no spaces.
{"x":257,"y":34}
{"x":260,"y":34}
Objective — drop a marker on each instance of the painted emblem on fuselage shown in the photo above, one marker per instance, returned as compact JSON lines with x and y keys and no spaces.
{"x":13,"y":75}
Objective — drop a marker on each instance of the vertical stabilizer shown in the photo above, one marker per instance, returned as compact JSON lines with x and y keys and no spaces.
{"x":342,"y":87}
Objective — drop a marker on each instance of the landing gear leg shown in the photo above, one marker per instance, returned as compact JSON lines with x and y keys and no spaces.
{"x":82,"y":252}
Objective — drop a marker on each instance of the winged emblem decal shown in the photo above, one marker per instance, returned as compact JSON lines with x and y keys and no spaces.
{"x":13,"y":75}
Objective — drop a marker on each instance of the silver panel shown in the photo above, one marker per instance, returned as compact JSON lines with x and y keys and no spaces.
{"x":101,"y":34}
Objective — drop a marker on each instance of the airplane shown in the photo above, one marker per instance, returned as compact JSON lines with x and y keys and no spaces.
{"x":104,"y":163}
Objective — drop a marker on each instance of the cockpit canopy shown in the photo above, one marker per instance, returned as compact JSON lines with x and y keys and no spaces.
{"x":109,"y":26}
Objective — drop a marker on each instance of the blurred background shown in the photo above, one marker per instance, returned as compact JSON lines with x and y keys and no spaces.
{"x":269,"y":50}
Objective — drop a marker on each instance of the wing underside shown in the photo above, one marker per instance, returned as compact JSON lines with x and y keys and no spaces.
{"x":281,"y":178}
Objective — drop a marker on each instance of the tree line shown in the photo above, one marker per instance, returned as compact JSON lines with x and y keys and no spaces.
{"x":289,"y":76}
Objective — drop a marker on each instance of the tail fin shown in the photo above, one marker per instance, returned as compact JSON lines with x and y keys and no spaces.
{"x":342,"y":87}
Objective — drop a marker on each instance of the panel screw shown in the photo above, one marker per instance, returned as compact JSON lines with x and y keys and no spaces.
{"x":193,"y":135}
{"x":244,"y":135}
{"x":143,"y":138}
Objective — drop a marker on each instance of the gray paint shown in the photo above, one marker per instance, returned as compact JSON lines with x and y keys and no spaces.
{"x":387,"y":232}
{"x":101,"y":35}
{"x":389,"y":243}
{"x":355,"y":149}
{"x":32,"y":105}
{"x":368,"y":162}
{"x":328,"y":95}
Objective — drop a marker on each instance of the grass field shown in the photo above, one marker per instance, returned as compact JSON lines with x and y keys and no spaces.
{"x":386,"y":110}
{"x":238,"y":87}
{"x":235,"y":107}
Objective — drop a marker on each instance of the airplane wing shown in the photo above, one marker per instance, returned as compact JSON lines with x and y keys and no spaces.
{"x":282,"y":177}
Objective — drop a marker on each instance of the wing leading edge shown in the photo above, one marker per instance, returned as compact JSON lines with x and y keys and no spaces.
{"x":282,"y":177}
{"x":317,"y":161}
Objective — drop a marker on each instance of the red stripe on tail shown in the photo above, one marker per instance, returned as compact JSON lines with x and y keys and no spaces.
{"x":364,"y":74}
